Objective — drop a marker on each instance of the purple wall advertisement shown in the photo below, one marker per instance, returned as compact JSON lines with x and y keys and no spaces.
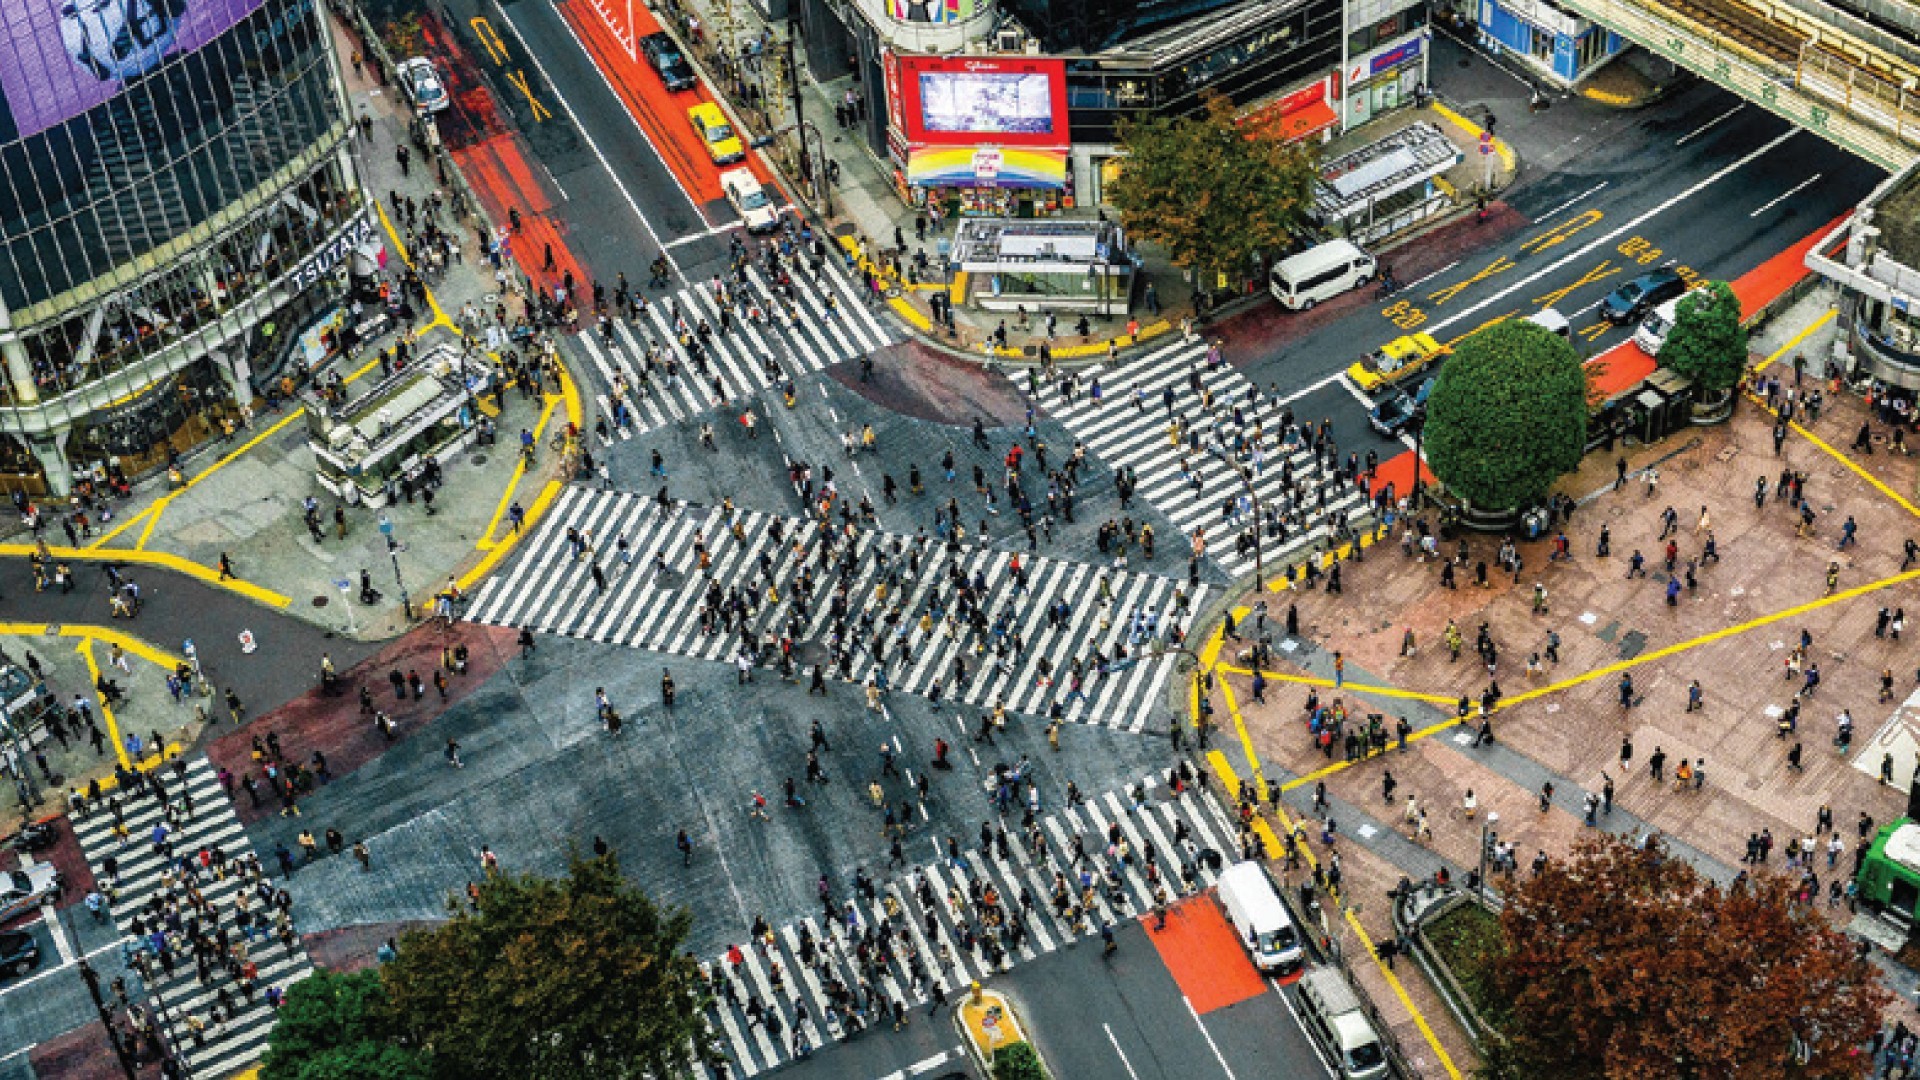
{"x":59,"y":58}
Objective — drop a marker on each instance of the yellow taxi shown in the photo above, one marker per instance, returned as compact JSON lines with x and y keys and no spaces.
{"x":1397,"y":360}
{"x":722,"y":144}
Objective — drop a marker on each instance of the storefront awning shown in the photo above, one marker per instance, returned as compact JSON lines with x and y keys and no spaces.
{"x":990,"y":166}
{"x":1301,"y":123}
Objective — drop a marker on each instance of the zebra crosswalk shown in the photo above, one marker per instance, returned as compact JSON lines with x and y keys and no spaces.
{"x":1047,"y":630}
{"x":963,"y":916}
{"x":648,"y":364}
{"x":1193,"y":480}
{"x":150,"y":886}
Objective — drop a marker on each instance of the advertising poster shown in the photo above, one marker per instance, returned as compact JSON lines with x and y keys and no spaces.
{"x":999,"y":101}
{"x":60,"y":58}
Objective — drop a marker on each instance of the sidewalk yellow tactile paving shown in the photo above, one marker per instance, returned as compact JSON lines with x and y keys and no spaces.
{"x":162,"y":559}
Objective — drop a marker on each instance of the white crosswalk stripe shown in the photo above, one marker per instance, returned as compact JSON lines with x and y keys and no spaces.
{"x":239,"y":1040}
{"x":661,"y":383}
{"x":1113,"y":623}
{"x":889,"y":942}
{"x":1135,"y":431}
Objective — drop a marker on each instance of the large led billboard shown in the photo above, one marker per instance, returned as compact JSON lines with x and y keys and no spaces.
{"x":59,"y":58}
{"x":1001,"y":101}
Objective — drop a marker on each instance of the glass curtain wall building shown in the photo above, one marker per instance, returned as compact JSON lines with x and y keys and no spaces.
{"x":170,"y":173}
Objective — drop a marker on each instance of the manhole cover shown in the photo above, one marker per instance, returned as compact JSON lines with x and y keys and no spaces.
{"x":479,"y":459}
{"x":320,"y":601}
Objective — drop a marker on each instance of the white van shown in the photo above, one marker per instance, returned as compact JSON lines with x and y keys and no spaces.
{"x":1653,"y":331}
{"x":1552,"y":322}
{"x":1320,"y":273}
{"x":1337,"y":1018}
{"x":1255,"y":910}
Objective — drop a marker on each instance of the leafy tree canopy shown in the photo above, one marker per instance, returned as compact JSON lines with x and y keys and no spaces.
{"x":1209,"y":192}
{"x":1626,"y":964}
{"x":580,"y":977}
{"x":333,"y":1027}
{"x":1707,"y":343}
{"x":1507,"y":415}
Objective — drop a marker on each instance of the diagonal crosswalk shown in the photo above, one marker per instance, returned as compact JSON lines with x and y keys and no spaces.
{"x":956,"y":920}
{"x":1036,"y":627}
{"x":153,"y":891}
{"x":1191,"y":480}
{"x":664,"y":370}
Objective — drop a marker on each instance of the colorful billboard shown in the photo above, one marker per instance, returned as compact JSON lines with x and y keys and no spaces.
{"x":970,"y":167}
{"x":975,"y":100}
{"x":934,"y":12}
{"x":59,"y":58}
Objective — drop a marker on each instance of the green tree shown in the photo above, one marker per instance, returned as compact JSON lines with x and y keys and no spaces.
{"x":1018,"y":1061}
{"x":1707,"y":343}
{"x":1208,"y":191}
{"x":1507,"y":416}
{"x":334,"y":1027}
{"x":1626,"y":964}
{"x":575,"y":977}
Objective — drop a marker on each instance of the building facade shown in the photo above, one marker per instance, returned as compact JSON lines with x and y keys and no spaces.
{"x":1018,"y":111}
{"x":1561,"y":46}
{"x":176,"y":203}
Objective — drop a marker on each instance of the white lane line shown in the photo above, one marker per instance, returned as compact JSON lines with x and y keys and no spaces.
{"x":112,"y":946}
{"x":727,"y":226}
{"x":1207,"y":1035}
{"x":58,"y":932}
{"x":1795,"y":190}
{"x":1304,"y":391}
{"x":1708,"y":126}
{"x":1612,"y":237}
{"x":1575,"y":201}
{"x":1302,"y":1024}
{"x":1121,"y":1054}
{"x":1429,"y":277}
{"x":594,"y":146}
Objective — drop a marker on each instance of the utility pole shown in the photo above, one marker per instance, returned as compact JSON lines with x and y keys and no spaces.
{"x":793,"y":82}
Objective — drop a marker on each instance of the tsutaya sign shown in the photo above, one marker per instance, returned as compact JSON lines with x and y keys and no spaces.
{"x":328,"y":255}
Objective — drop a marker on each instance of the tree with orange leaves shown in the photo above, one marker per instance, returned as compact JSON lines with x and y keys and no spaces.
{"x":1624,"y":963}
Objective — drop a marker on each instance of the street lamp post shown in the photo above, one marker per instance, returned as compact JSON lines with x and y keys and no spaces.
{"x":1487,"y":838}
{"x":393,"y":552}
{"x":24,"y":782}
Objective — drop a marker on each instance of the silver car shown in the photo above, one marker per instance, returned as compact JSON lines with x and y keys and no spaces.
{"x":23,"y":890}
{"x":423,"y":85}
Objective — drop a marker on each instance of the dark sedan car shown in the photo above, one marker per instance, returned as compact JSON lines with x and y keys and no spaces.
{"x":665,"y":57}
{"x":1637,"y":297}
{"x":19,"y":953}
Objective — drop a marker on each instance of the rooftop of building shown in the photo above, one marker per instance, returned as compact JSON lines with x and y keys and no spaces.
{"x":1897,"y":216}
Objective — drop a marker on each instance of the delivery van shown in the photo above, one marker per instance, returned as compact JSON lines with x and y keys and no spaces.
{"x":1333,"y":1011}
{"x":1254,"y":908}
{"x":1320,"y":273}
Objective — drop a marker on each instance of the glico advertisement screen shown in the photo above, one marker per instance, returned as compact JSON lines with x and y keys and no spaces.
{"x":60,"y":58}
{"x":1010,"y":101}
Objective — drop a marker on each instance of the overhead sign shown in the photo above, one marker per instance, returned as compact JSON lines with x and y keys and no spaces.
{"x":319,"y":264}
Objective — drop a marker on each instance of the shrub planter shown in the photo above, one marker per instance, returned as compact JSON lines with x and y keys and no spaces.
{"x":995,"y":1038}
{"x":1482,"y":520}
{"x":1715,"y":410}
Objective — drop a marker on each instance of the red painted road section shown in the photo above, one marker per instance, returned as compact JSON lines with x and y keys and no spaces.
{"x":1623,"y":366}
{"x":659,"y":111}
{"x":1204,"y":956}
{"x":334,"y":725}
{"x":497,"y":166}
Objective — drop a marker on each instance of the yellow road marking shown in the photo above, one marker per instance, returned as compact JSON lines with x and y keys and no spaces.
{"x":1500,"y":146}
{"x":485,"y":565}
{"x":1363,"y":689}
{"x":1218,"y":762}
{"x":164,"y":559}
{"x":101,"y":540}
{"x":85,"y":649}
{"x":1795,"y":340}
{"x":153,"y":518}
{"x":486,"y":541}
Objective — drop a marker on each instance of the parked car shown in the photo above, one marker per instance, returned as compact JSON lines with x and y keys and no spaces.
{"x":423,"y":85}
{"x":22,"y":890}
{"x":1396,"y":361}
{"x":750,"y":200}
{"x":723,"y":146}
{"x":1641,"y":295}
{"x":667,"y":62}
{"x":19,"y":953}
